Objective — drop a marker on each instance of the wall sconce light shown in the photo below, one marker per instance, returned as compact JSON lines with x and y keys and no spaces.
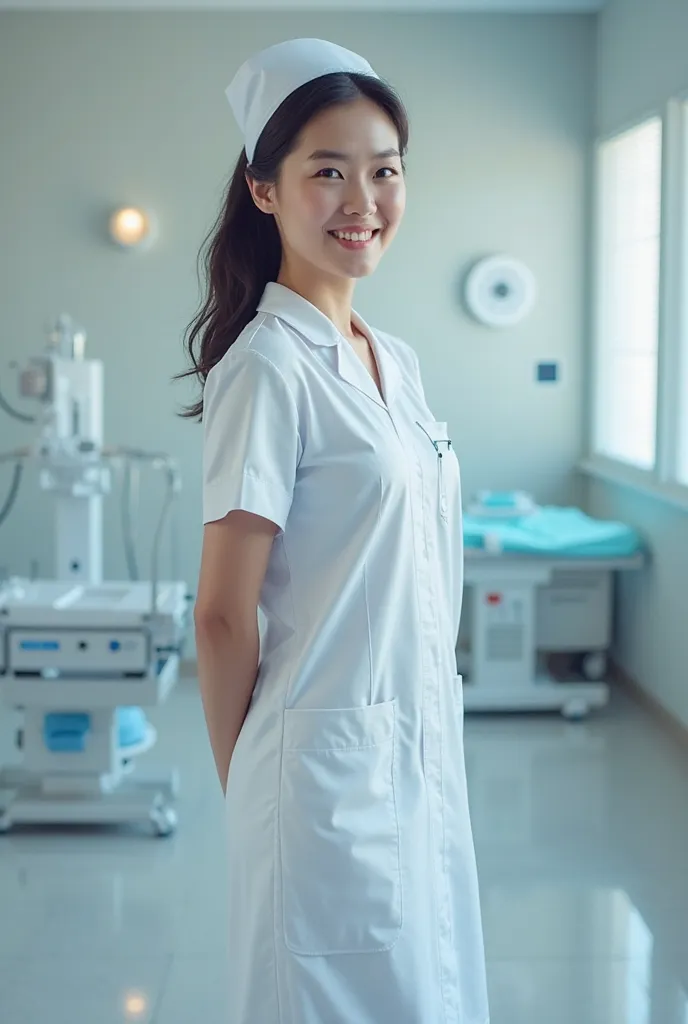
{"x":131,"y":228}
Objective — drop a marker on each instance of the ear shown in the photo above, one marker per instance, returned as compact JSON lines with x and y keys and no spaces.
{"x":262,"y":194}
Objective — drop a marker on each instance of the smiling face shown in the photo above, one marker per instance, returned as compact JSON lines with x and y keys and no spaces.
{"x":341,"y":193}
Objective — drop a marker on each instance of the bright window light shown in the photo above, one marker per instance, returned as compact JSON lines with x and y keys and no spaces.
{"x":682,"y":446}
{"x":629,"y":207}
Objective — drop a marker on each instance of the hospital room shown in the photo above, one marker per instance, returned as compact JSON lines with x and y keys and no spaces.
{"x":344,"y":512}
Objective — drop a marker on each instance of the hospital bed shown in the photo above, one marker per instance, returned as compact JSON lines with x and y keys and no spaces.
{"x":539,"y":582}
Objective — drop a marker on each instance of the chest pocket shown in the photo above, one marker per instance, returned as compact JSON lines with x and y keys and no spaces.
{"x":339,"y":831}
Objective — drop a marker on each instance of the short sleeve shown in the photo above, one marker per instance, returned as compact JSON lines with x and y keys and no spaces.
{"x":251,"y":442}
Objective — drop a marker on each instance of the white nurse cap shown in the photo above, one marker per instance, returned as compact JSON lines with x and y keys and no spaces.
{"x":266,"y":79}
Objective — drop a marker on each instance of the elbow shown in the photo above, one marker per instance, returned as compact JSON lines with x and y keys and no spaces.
{"x":212,"y":633}
{"x":211,"y":622}
{"x":208,"y":620}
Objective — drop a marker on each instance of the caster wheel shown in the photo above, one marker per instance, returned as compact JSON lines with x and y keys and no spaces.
{"x":594,"y":666}
{"x":575,"y":710}
{"x":164,"y":821}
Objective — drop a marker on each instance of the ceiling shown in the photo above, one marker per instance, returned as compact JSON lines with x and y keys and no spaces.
{"x":502,"y":6}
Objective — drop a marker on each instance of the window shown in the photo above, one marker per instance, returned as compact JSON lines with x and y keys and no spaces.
{"x":682,"y":327}
{"x":639,"y":433}
{"x":629,"y":229}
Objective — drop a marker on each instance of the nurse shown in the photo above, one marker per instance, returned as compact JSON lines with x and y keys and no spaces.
{"x":331,"y":500}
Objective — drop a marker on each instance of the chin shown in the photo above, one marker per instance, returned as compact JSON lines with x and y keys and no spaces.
{"x":367,"y":272}
{"x":358,"y":269}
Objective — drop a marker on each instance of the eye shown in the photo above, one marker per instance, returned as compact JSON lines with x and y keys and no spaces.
{"x":392,"y":172}
{"x":327,"y":172}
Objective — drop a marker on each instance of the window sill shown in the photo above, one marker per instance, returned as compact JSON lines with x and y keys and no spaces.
{"x":635,"y":479}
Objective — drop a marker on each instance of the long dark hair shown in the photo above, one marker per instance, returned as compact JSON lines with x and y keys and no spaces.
{"x":243,"y":251}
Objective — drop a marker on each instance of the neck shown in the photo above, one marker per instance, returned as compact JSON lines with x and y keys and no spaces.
{"x":332,"y":296}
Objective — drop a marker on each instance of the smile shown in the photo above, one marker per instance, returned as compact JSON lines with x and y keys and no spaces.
{"x":354,"y":239}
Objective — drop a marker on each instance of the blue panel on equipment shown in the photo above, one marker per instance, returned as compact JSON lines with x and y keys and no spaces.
{"x":39,"y":645}
{"x":547,"y":371}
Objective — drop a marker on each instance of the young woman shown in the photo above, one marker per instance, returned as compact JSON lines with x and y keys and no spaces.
{"x":332,"y":501}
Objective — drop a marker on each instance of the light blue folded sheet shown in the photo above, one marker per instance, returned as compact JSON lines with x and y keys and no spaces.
{"x":554,"y":532}
{"x":66,"y":732}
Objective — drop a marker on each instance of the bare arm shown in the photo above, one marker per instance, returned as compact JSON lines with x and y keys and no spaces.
{"x":235,"y":556}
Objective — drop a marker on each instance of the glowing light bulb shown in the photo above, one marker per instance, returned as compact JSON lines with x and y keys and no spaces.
{"x":135,"y":1005}
{"x":130,"y":227}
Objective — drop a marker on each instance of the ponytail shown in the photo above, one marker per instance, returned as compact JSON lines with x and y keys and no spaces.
{"x":241,"y":254}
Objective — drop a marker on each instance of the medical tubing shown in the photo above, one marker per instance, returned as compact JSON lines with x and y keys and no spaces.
{"x":167,"y":504}
{"x":174,"y":541}
{"x":23,"y":417}
{"x":134,"y":454}
{"x":128,"y":519}
{"x":8,"y":504}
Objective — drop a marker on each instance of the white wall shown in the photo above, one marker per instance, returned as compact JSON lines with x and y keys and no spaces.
{"x":99,"y":109}
{"x":643,"y":61}
{"x":643,"y":58}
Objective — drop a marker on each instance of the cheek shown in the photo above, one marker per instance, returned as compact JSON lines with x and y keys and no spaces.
{"x":303,"y":211}
{"x":393,"y":205}
{"x":317,"y":205}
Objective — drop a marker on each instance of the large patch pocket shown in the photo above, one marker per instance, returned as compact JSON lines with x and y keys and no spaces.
{"x":339,"y":831}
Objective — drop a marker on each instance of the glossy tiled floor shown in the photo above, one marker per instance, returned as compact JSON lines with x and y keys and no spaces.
{"x":582,"y":839}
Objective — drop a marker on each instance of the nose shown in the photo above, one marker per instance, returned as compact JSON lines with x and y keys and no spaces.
{"x":359,"y":201}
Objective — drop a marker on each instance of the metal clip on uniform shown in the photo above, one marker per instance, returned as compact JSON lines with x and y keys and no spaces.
{"x":442,"y":501}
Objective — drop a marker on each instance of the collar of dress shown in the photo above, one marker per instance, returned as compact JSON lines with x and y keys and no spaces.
{"x":318,"y":329}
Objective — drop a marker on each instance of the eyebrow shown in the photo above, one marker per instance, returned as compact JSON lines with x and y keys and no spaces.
{"x":332,"y":154}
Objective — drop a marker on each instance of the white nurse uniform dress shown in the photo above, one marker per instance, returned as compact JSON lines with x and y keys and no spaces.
{"x":353,"y":886}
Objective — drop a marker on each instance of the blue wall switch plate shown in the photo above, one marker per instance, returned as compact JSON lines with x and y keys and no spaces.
{"x":548,"y":372}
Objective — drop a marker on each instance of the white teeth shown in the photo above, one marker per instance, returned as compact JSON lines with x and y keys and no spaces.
{"x":354,"y":236}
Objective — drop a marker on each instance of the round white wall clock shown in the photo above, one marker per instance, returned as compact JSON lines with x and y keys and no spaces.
{"x":500,"y":291}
